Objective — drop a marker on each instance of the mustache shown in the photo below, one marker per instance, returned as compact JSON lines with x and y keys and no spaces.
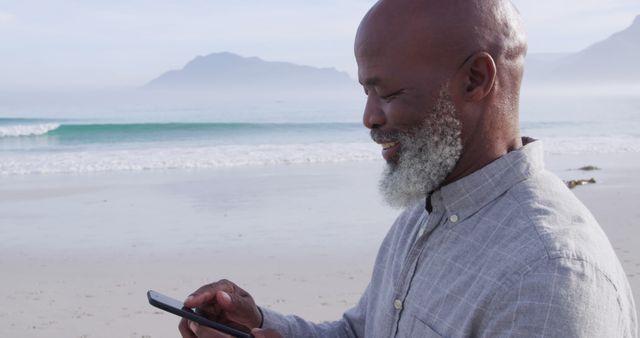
{"x":380,"y":136}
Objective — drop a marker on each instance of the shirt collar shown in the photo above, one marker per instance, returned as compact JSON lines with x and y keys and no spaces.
{"x":469,"y":194}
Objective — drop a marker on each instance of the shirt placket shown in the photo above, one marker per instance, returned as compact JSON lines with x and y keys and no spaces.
{"x":410,"y":264}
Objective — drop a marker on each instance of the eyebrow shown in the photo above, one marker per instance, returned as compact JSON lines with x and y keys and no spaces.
{"x":374,"y":81}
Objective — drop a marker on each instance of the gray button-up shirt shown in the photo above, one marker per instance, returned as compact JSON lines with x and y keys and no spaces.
{"x":507,"y":251}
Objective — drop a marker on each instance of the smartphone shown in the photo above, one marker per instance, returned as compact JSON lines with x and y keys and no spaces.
{"x":177,"y":308}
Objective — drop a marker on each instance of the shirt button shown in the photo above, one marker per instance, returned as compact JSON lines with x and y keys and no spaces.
{"x":397,"y":304}
{"x":454,"y":218}
{"x":420,"y":233}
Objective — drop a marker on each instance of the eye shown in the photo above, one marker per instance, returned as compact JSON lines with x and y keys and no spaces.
{"x":392,"y":96}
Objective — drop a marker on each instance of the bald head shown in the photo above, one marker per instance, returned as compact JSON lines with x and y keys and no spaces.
{"x":409,"y":50}
{"x":451,"y":29}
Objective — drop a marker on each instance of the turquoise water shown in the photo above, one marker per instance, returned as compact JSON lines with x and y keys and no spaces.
{"x":50,"y":133}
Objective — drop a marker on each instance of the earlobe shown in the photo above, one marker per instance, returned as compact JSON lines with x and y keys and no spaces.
{"x":479,"y":75}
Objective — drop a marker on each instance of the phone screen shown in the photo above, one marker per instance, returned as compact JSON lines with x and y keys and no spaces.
{"x":177,"y":308}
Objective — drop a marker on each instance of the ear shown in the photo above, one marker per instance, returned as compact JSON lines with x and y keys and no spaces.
{"x":478,"y":76}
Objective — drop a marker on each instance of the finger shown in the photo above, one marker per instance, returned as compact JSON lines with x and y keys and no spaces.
{"x":265,"y":333}
{"x":207,"y":293}
{"x":238,"y":309}
{"x":225,"y":300}
{"x":205,"y":332}
{"x":233,"y":303}
{"x":184,"y":329}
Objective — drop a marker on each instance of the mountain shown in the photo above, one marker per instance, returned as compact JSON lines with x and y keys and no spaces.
{"x":612,"y":60}
{"x":232,"y":72}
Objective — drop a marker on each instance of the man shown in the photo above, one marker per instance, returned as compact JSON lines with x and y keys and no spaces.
{"x":490,"y":244}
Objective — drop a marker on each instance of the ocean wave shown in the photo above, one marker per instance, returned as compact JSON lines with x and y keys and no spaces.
{"x":27,"y":129}
{"x":79,"y":134}
{"x":151,"y":128}
{"x":184,"y":158}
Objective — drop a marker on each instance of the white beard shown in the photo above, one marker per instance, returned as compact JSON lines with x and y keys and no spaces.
{"x":428,"y":154}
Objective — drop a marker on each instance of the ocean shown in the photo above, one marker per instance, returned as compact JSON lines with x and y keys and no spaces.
{"x":75,"y":145}
{"x":36,"y":146}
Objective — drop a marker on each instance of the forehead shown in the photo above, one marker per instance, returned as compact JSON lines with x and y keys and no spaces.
{"x":393,"y":42}
{"x":377,"y":68}
{"x":382,"y":57}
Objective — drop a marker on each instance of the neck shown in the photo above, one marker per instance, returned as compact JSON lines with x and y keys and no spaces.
{"x":477,"y":154}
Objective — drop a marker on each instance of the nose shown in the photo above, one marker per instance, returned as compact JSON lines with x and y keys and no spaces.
{"x":374,"y":116}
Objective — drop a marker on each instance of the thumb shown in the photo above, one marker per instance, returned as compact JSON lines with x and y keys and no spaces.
{"x":265,"y":333}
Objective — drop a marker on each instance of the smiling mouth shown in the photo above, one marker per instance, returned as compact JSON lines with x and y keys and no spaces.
{"x":388,"y":145}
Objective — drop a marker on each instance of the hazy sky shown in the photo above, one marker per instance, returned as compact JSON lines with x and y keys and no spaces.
{"x":114,"y":43}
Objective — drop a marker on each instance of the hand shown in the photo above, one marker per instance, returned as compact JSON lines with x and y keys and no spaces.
{"x":265,"y":333}
{"x":223,"y":302}
{"x":190,"y":329}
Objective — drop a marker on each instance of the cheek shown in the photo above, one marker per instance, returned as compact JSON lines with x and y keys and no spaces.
{"x":468,"y":127}
{"x":405,"y":114}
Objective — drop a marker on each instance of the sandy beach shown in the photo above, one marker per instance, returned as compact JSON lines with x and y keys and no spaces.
{"x":79,"y":252}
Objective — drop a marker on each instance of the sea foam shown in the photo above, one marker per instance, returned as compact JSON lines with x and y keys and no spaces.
{"x":159,"y":156}
{"x":183,"y":158}
{"x":27,"y":129}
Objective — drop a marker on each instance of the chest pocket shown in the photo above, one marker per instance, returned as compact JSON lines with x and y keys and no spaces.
{"x":421,"y":330}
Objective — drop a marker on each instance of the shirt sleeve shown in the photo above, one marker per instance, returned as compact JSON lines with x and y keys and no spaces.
{"x":351,"y":324}
{"x":557,"y":298}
